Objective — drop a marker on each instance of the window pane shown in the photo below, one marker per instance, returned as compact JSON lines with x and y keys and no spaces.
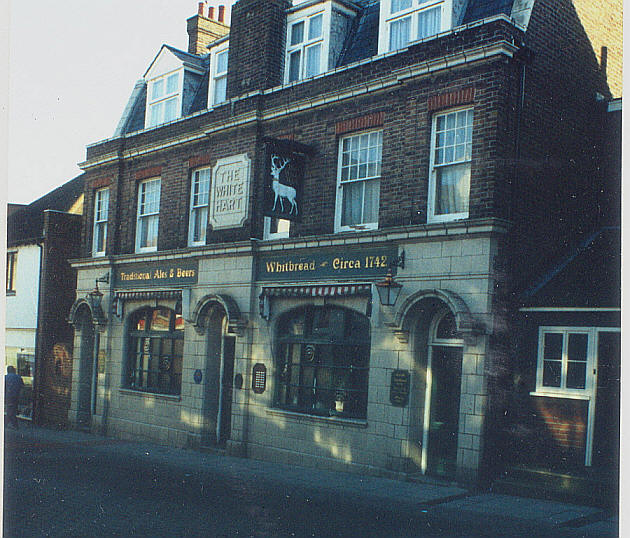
{"x":551,"y":373}
{"x":172,"y":83}
{"x":220,"y":90}
{"x":552,"y":346}
{"x":158,"y":89}
{"x":199,"y":223}
{"x":399,"y":5}
{"x":297,"y":33}
{"x":576,"y":375}
{"x":294,"y":66}
{"x":156,"y":114}
{"x":399,"y":33}
{"x":429,"y":22}
{"x":315,"y":27}
{"x":370,"y":209}
{"x":313,"y":60}
{"x":170,"y":109}
{"x":222,"y":62}
{"x":578,"y":345}
{"x":452,"y":189}
{"x":352,"y":204}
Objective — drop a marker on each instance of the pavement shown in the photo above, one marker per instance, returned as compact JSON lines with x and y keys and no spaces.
{"x":422,"y":496}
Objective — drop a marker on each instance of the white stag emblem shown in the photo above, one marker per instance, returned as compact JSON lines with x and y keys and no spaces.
{"x":281,"y":191}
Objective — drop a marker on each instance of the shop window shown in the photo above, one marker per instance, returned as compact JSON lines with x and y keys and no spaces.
{"x":450,"y":164}
{"x":404,"y":21}
{"x":358,"y":180}
{"x":323,"y":357}
{"x":218,"y":78}
{"x":148,"y":215}
{"x":199,"y":194}
{"x":305,"y":43}
{"x":156,"y":349}
{"x":11,"y":269}
{"x":565,"y":358}
{"x":164,"y":99}
{"x":101,"y":211}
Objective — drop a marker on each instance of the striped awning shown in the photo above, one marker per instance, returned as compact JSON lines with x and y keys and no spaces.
{"x":318,"y":291}
{"x":148,"y":294}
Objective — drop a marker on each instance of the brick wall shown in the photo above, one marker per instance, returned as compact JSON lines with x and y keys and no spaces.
{"x":257,"y":36}
{"x":55,"y":335}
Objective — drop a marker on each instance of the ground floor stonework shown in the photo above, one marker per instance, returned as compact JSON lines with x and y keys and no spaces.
{"x":284,"y":350}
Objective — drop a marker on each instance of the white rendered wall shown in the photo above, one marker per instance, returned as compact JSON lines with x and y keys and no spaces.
{"x":21,"y":312}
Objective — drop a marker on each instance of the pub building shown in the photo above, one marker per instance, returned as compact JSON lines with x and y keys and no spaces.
{"x":303,"y":242}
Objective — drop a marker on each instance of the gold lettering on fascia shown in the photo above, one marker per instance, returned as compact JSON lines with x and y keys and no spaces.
{"x":158,"y":274}
{"x":338,"y":264}
{"x":230,"y":190}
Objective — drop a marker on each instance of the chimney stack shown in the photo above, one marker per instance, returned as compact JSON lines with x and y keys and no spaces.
{"x":204,"y":30}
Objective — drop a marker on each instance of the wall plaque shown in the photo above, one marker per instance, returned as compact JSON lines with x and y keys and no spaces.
{"x":229,"y":194}
{"x":399,"y":388}
{"x":259,"y":378}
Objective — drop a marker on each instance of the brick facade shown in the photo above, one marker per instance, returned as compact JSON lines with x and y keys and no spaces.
{"x":532,"y":190}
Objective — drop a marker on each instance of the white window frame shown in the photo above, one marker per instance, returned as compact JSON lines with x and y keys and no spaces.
{"x":433,"y":168}
{"x":163,"y":98}
{"x":101,"y":215}
{"x":215,"y":76}
{"x":341,"y":183}
{"x":323,"y":40}
{"x":387,"y":18}
{"x":143,"y":215}
{"x":196,"y":207}
{"x":12,"y":259}
{"x":562,"y":391}
{"x":284,"y":227}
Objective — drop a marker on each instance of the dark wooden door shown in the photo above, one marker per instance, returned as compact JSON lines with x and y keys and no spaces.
{"x":446,"y":373}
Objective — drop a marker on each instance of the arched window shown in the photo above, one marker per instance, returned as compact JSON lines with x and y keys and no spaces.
{"x":156,"y":348}
{"x":323,"y":355}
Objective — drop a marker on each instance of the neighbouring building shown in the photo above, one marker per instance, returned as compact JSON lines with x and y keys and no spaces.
{"x":263,"y":190}
{"x":41,"y":287}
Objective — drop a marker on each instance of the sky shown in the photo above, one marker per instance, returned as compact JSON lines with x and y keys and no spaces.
{"x":72,"y":65}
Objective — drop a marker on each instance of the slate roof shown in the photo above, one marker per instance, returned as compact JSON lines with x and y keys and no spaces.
{"x":589,"y":277}
{"x":482,"y":9}
{"x":26,"y":224}
{"x":361,"y":43}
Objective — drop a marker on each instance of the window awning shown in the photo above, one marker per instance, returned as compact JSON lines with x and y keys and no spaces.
{"x":148,"y":294}
{"x":318,"y":291}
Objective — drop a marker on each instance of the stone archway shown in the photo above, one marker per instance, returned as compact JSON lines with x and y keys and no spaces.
{"x":218,"y":319}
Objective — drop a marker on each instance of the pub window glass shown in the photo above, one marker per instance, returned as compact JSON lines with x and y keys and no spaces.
{"x":156,"y":350}
{"x":323,"y":361}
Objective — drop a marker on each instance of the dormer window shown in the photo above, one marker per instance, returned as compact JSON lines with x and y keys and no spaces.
{"x":217,"y":91}
{"x":404,"y":21}
{"x":304,"y":53}
{"x":312,"y":47}
{"x":164,"y":99}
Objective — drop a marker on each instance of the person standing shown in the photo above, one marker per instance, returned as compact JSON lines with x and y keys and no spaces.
{"x":12,"y":386}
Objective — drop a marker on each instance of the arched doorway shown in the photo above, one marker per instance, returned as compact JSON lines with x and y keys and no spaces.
{"x":85,"y":327}
{"x":442,"y":396}
{"x":219,"y":373}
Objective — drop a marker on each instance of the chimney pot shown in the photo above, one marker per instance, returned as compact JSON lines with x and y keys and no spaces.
{"x":211,"y":12}
{"x":202,"y":6}
{"x":221,"y":13}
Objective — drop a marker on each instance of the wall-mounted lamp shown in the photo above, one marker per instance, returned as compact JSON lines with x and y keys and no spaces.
{"x":389,"y":289}
{"x":95,"y":297}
